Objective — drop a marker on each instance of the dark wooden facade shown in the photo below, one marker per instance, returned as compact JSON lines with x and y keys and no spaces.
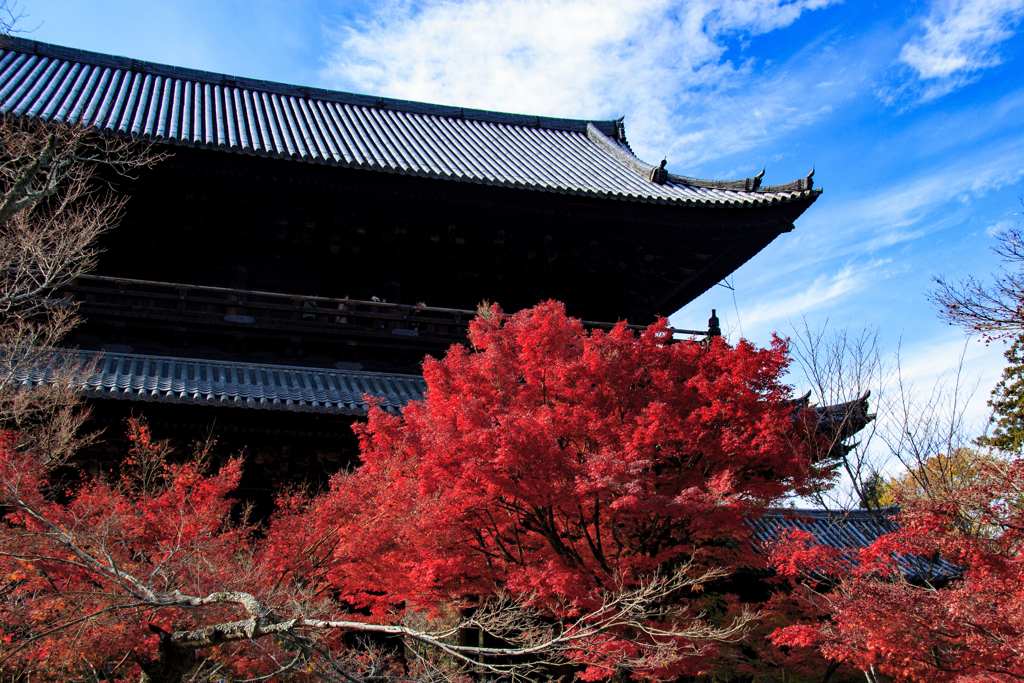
{"x":338,"y":232}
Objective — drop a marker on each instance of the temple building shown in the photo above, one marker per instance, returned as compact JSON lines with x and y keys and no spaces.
{"x":301,"y":248}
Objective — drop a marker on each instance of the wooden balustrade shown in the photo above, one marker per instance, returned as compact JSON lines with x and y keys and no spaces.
{"x":272,"y":313}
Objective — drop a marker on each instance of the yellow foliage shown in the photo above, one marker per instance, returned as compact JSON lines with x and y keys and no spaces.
{"x":938,"y":476}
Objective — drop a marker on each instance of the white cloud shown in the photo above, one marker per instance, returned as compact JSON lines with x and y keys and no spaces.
{"x":998,"y":227}
{"x":924,"y":203}
{"x":659,"y":62}
{"x":823,"y":293}
{"x":961,"y":38}
{"x":899,"y":214}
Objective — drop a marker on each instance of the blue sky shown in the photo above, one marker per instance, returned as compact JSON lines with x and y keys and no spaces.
{"x":911,"y":113}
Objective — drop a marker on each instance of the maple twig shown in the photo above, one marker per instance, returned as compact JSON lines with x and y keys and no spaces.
{"x":68,"y":624}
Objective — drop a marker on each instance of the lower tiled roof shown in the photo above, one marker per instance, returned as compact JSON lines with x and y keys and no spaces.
{"x":259,"y":386}
{"x":848,"y":530}
{"x":240,"y":385}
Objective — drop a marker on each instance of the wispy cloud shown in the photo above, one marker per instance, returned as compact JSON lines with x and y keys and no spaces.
{"x":900,"y":214}
{"x":824,"y":292}
{"x":998,"y":227}
{"x":661,"y":63}
{"x":864,"y":247}
{"x":930,"y":199}
{"x":960,"y":39}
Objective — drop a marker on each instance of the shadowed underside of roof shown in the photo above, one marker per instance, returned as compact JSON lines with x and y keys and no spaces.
{"x":205,"y":110}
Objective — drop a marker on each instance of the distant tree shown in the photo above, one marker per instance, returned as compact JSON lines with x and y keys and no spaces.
{"x":1007,"y":403}
{"x":874,"y":493}
{"x":937,"y":478}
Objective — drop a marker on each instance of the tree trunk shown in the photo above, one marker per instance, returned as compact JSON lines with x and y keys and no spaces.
{"x":171,"y":664}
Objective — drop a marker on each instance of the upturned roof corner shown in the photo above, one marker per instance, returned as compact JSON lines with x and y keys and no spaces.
{"x":659,"y":176}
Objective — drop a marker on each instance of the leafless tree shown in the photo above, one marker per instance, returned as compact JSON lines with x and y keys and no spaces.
{"x":842,"y":369}
{"x":928,"y":432}
{"x":916,"y":432}
{"x":995,"y":311}
{"x":11,"y":14}
{"x":53,"y":206}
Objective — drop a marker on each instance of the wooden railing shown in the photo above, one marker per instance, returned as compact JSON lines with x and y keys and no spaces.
{"x":241,"y":310}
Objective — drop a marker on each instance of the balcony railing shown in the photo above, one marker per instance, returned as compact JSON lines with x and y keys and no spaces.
{"x":274,"y":312}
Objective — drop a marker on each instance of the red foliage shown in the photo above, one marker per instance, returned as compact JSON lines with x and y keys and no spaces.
{"x":939,"y":625}
{"x":554,"y":465}
{"x":553,"y":462}
{"x":176,"y":535}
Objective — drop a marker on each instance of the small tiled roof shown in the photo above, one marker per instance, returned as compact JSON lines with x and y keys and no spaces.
{"x":201,"y":109}
{"x":847,"y":530}
{"x":258,"y":386}
{"x":844,"y":529}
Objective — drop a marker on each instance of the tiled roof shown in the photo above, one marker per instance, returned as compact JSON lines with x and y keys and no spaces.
{"x":847,"y":530}
{"x":241,"y":385}
{"x":214,"y":111}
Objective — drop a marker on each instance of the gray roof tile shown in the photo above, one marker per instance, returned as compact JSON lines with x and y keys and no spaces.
{"x":163,"y":379}
{"x":848,"y":530}
{"x":200,"y":109}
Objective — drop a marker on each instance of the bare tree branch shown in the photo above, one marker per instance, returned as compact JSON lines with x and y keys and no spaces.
{"x":53,"y":207}
{"x":997,"y":310}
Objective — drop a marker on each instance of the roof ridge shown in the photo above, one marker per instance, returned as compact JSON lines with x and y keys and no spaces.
{"x":620,"y":150}
{"x":612,"y":128}
{"x":831,"y":513}
{"x":203,"y":110}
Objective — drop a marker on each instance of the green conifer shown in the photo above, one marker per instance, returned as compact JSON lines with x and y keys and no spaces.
{"x":1007,"y":403}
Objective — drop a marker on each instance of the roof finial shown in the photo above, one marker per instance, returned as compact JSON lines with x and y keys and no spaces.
{"x":755,"y":182}
{"x":659,"y":176}
{"x":809,"y":180}
{"x":714,"y":326}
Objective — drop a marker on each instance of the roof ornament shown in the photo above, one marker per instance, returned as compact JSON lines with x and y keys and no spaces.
{"x":659,"y":176}
{"x":620,"y":129}
{"x":714,"y":325}
{"x":808,"y":182}
{"x":755,"y":182}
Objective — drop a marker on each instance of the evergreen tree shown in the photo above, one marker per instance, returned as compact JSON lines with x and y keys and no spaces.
{"x":1007,"y":403}
{"x":874,"y":491}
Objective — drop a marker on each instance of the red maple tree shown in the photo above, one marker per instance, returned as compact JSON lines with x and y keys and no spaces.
{"x":556,"y":465}
{"x":566,"y":493}
{"x":940,"y":600}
